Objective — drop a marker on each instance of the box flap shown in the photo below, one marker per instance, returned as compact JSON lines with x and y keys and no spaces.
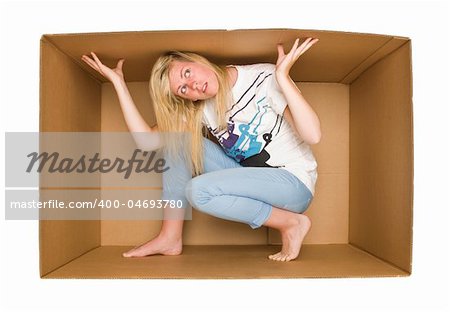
{"x":331,"y":60}
{"x":381,"y":159}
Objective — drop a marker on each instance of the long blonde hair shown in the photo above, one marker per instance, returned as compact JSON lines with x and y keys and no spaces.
{"x":176,"y":114}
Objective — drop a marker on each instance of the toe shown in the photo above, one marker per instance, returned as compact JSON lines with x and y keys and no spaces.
{"x":128,"y":254}
{"x":135,"y":252}
{"x":273,"y":257}
{"x":279,"y":256}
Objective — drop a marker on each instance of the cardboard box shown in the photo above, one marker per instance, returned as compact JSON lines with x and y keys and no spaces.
{"x":359,"y":84}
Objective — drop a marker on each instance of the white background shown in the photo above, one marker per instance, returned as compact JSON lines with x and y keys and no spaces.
{"x":426,"y":23}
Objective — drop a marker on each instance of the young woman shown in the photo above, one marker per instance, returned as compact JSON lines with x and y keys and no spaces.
{"x":263,"y":172}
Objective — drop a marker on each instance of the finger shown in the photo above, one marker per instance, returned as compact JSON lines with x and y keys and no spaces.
{"x":305,"y":43}
{"x":280,"y":49}
{"x":304,"y":48}
{"x":120,"y":63}
{"x":96,"y":59}
{"x":281,"y":54}
{"x":99,"y":63}
{"x":310,"y":44}
{"x":294,"y":47}
{"x":90,"y":62}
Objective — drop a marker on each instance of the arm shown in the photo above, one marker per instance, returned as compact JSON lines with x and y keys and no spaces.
{"x":146,"y":137}
{"x":133,"y":118}
{"x":298,"y":112}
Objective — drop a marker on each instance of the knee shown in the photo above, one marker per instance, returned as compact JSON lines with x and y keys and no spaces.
{"x":189,"y":191}
{"x":197,"y":193}
{"x":303,"y":205}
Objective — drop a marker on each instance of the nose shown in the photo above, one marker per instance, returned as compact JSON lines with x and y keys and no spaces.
{"x":194,"y":85}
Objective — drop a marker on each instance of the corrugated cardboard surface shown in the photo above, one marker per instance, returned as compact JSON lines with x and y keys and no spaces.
{"x":381,"y":151}
{"x":378,"y":218}
{"x":391,"y":45}
{"x":69,"y":101}
{"x":228,"y":262}
{"x":338,"y":52}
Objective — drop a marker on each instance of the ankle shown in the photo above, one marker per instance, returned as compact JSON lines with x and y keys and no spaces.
{"x":168,"y":236}
{"x":298,"y":220}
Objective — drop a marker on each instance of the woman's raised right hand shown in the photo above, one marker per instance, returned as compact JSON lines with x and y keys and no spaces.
{"x":113,"y":75}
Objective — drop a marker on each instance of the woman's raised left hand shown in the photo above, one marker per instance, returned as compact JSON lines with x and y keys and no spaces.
{"x":286,"y":61}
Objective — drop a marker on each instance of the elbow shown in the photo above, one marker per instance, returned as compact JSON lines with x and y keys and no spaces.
{"x":314,"y":139}
{"x":316,"y":135}
{"x":147,"y":141}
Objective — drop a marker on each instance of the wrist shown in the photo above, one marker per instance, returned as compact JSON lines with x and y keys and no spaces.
{"x":283,"y":78}
{"x":118,"y":83}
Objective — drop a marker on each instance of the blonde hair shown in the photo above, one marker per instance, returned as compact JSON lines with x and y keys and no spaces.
{"x":176,"y":114}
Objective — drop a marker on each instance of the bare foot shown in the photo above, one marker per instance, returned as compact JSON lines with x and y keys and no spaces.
{"x":292,"y":238}
{"x":160,"y":245}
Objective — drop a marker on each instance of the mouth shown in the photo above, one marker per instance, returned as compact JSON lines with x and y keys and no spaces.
{"x":204,"y":87}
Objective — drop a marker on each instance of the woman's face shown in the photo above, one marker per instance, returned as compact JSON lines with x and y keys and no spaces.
{"x":192,"y":81}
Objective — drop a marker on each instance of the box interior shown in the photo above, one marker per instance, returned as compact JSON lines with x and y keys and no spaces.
{"x":359,"y":85}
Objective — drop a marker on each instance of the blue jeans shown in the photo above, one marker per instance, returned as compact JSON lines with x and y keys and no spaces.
{"x":230,"y":191}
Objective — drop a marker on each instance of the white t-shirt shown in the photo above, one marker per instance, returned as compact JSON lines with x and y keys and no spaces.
{"x":257,"y":135}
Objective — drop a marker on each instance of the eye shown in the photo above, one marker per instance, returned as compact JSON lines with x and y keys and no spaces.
{"x":187,"y":73}
{"x":183,"y":90}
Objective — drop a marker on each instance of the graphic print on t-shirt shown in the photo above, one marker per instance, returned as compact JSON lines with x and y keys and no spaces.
{"x":256,"y":134}
{"x":243,"y":141}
